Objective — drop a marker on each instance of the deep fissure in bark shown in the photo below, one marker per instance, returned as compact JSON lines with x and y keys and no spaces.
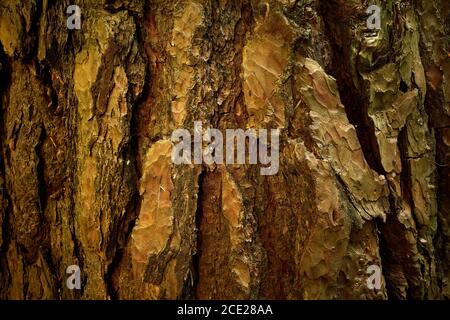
{"x":352,"y":95}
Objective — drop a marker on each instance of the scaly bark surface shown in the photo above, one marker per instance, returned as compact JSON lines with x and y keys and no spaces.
{"x":86,"y":176}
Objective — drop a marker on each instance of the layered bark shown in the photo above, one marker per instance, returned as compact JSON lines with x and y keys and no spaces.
{"x":86,"y":176}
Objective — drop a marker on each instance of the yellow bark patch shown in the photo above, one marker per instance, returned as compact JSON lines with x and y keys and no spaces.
{"x":155,"y":223}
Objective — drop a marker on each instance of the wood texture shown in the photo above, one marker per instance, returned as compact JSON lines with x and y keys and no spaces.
{"x":86,"y":176}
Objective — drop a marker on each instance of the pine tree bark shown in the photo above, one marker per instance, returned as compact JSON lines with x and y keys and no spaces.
{"x":86,"y":176}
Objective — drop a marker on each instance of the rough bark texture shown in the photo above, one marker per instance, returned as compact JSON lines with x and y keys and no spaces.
{"x":86,"y":176}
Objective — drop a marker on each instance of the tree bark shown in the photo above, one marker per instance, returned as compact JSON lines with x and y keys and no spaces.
{"x":86,"y":176}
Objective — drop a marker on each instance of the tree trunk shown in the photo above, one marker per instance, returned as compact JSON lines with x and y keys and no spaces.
{"x":87,"y":179}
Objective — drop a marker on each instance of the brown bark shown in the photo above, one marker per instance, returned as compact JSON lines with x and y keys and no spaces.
{"x":86,"y":176}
